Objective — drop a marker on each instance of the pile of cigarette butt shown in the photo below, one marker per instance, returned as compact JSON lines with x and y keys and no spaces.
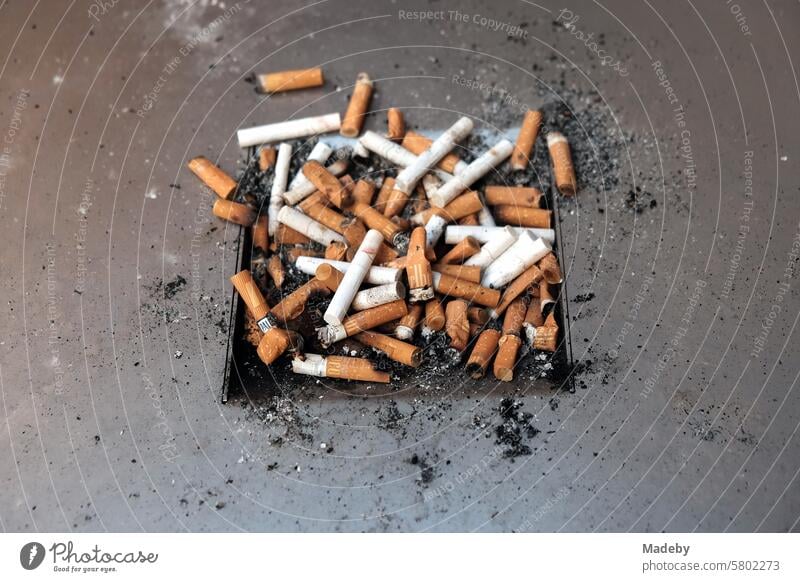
{"x":399,"y":254}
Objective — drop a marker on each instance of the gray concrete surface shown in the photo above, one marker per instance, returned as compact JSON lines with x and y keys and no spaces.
{"x":683,"y":422}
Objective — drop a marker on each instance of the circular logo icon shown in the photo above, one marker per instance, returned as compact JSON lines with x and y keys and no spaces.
{"x":31,"y":555}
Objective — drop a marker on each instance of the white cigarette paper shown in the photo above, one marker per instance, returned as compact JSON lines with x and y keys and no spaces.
{"x":353,"y":277}
{"x":375,"y":296}
{"x":408,"y":178}
{"x":392,"y":152}
{"x":375,"y":275}
{"x":287,"y":130}
{"x":474,"y":172}
{"x":455,"y":233}
{"x":307,"y":188}
{"x":492,"y":250}
{"x":485,"y":217}
{"x":434,"y":229}
{"x":526,"y":251}
{"x":278,"y":186}
{"x":320,"y":153}
{"x":320,"y":233}
{"x":312,"y":365}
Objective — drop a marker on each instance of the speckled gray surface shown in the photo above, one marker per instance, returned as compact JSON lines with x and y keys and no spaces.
{"x":686,"y":417}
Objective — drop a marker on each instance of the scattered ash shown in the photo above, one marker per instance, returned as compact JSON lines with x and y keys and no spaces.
{"x":515,"y":429}
{"x":282,"y":417}
{"x":172,"y":288}
{"x":583,"y":297}
{"x":426,"y":472}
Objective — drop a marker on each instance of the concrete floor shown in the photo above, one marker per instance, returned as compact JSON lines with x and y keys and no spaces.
{"x":110,"y":392}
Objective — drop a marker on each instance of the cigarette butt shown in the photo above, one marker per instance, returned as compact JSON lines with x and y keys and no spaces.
{"x":375,"y":275}
{"x":361,"y":321}
{"x":561,"y":158}
{"x":478,"y":315}
{"x":506,"y":359}
{"x":276,"y":270}
{"x":395,"y":203}
{"x":354,"y":369}
{"x":266,"y":158}
{"x":383,"y":194}
{"x":314,"y":230}
{"x":374,"y":296}
{"x":329,"y":276}
{"x":354,"y":277}
{"x":484,"y":234}
{"x":529,"y":277}
{"x":252,"y":333}
{"x":354,"y":231}
{"x":261,"y":234}
{"x":447,"y":285}
{"x":525,"y":140}
{"x":327,"y":184}
{"x":409,"y":322}
{"x":353,"y":118}
{"x":471,"y":274}
{"x":323,"y":214}
{"x":482,"y":353}
{"x":397,"y":350}
{"x":363,"y":191}
{"x":385,"y":254}
{"x":304,"y":188}
{"x":513,"y":196}
{"x":288,"y":130}
{"x":515,"y":317}
{"x":546,"y":336}
{"x":286,"y":235}
{"x":434,"y":315}
{"x":474,"y":329}
{"x":291,"y":80}
{"x":461,"y":252}
{"x":234,"y":212}
{"x":374,"y":219}
{"x":396,"y":125}
{"x":251,"y":295}
{"x":522,"y":216}
{"x":457,"y":324}
{"x":464,"y":205}
{"x":434,"y":229}
{"x":469,"y":220}
{"x":279,"y":182}
{"x":418,"y":268}
{"x":533,"y":316}
{"x":275,"y":342}
{"x":545,"y":295}
{"x":213,"y":177}
{"x":525,"y":251}
{"x":336,"y":251}
{"x":499,"y":242}
{"x":551,"y":269}
{"x":293,"y":305}
{"x":417,"y":143}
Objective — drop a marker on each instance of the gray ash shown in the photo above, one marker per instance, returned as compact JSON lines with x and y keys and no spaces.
{"x":515,"y":429}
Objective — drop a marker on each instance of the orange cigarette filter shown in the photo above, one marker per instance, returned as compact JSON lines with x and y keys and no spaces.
{"x":293,"y":305}
{"x":275,"y":342}
{"x":561,"y":158}
{"x":213,"y":177}
{"x":474,"y":329}
{"x":482,"y":353}
{"x":395,"y":203}
{"x":261,"y":234}
{"x":397,"y":350}
{"x":467,"y":290}
{"x":457,"y":324}
{"x":471,"y":220}
{"x":234,"y":212}
{"x":357,"y":108}
{"x":294,"y":253}
{"x":517,"y":287}
{"x":251,"y":295}
{"x":546,"y":338}
{"x":329,"y":276}
{"x":291,"y":80}
{"x":323,"y":214}
{"x":513,"y":196}
{"x":461,"y":252}
{"x":374,"y":219}
{"x":534,"y":315}
{"x":477,"y":315}
{"x":354,"y":231}
{"x":465,"y":205}
{"x":410,"y":320}
{"x":328,"y":185}
{"x":375,"y":316}
{"x":515,"y":317}
{"x":418,"y":143}
{"x":506,"y":359}
{"x":471,"y":274}
{"x":383,"y":194}
{"x":336,"y":251}
{"x":418,"y":269}
{"x":252,"y":333}
{"x":525,"y":140}
{"x":266,"y":158}
{"x":286,"y":235}
{"x":363,"y":191}
{"x":396,"y":125}
{"x":522,"y":216}
{"x":434,"y":315}
{"x":551,"y":269}
{"x":276,"y":270}
{"x":346,"y":368}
